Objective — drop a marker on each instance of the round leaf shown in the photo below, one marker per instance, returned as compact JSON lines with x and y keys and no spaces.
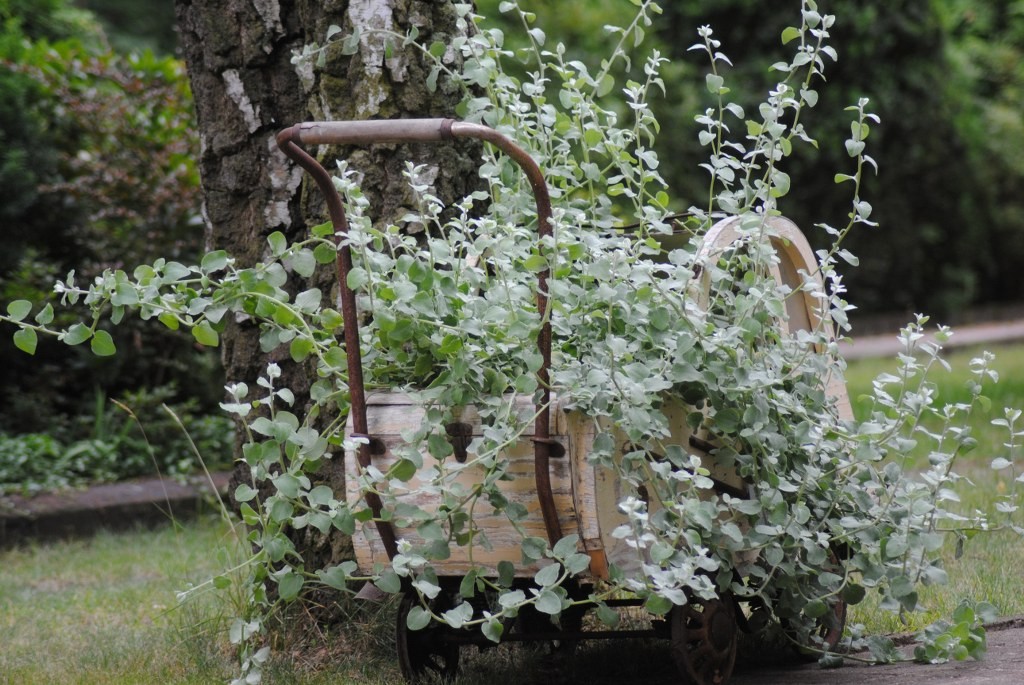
{"x":389,"y":582}
{"x":549,"y":603}
{"x":205,"y":335}
{"x":278,"y":243}
{"x":418,"y":618}
{"x":19,"y":309}
{"x":300,"y":348}
{"x":548,"y":575}
{"x":102,"y":344}
{"x":790,"y":33}
{"x":45,"y":316}
{"x":289,"y":586}
{"x":608,"y":616}
{"x":25,"y":340}
{"x":244,"y":493}
{"x":854,"y":594}
{"x":816,"y":608}
{"x":77,"y":334}
{"x":658,"y":605}
{"x":492,"y":630}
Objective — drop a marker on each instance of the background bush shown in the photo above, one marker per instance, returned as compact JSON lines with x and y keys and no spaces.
{"x":97,"y":170}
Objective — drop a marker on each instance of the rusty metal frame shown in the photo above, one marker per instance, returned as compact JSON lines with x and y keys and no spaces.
{"x":291,"y":141}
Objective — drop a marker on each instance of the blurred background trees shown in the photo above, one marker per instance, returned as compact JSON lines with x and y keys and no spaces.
{"x":98,"y":164}
{"x":945,"y":76}
{"x":97,"y":170}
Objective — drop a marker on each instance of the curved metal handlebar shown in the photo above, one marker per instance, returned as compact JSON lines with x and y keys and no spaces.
{"x":425,"y":131}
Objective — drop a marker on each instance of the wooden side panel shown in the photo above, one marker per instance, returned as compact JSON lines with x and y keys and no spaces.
{"x":586,"y":496}
{"x":598,"y":491}
{"x":388,"y":416}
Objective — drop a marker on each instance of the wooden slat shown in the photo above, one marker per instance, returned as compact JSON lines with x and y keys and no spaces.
{"x":390,"y":414}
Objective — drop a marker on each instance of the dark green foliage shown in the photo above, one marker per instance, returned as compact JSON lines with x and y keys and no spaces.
{"x":19,"y":135}
{"x":986,"y":53}
{"x":117,"y":444}
{"x":48,"y":20}
{"x":135,"y":25}
{"x":96,"y":170}
{"x":948,"y":235}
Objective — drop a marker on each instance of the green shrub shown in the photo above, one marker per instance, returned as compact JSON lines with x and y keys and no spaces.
{"x":138,"y":438}
{"x":97,"y":168}
{"x":32,"y":462}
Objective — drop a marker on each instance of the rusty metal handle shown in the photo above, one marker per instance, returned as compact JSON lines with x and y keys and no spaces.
{"x":369,"y":132}
{"x":426,"y":131}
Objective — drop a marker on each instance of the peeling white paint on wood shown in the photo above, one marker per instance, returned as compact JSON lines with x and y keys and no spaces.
{"x":391,"y":414}
{"x":236,"y":91}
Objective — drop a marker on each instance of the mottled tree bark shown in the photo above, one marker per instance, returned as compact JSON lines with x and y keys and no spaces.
{"x":239,"y":57}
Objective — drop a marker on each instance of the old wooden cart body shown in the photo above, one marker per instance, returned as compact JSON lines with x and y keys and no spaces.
{"x":562,"y":491}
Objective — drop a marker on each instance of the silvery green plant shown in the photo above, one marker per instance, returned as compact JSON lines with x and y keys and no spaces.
{"x":640,"y":314}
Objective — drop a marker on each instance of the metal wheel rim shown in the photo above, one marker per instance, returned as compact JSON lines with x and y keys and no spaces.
{"x":704,"y":641}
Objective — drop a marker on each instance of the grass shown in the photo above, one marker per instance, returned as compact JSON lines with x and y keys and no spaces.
{"x":104,"y":610}
{"x":989,"y":567}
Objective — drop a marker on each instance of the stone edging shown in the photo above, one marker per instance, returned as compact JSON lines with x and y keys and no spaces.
{"x":113,"y":506}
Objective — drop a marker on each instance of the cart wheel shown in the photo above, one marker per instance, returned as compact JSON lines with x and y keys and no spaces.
{"x":704,"y":640}
{"x":424,"y":655}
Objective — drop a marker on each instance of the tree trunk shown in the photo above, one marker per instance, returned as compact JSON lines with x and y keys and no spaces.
{"x":239,"y":57}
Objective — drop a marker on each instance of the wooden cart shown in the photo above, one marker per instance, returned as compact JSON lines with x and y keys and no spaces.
{"x":561,"y":490}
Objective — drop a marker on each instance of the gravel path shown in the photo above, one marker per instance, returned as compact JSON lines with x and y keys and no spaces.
{"x":964,"y":336}
{"x":1002,"y":665}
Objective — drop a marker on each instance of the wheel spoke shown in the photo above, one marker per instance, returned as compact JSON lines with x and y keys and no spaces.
{"x":704,"y":641}
{"x":701,"y":652}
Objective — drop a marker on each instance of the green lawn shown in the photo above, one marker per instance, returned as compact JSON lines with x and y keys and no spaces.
{"x":104,"y":610}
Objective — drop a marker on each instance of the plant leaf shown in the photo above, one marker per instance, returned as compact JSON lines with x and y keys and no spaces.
{"x":19,"y":309}
{"x":102,"y":344}
{"x":25,"y":340}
